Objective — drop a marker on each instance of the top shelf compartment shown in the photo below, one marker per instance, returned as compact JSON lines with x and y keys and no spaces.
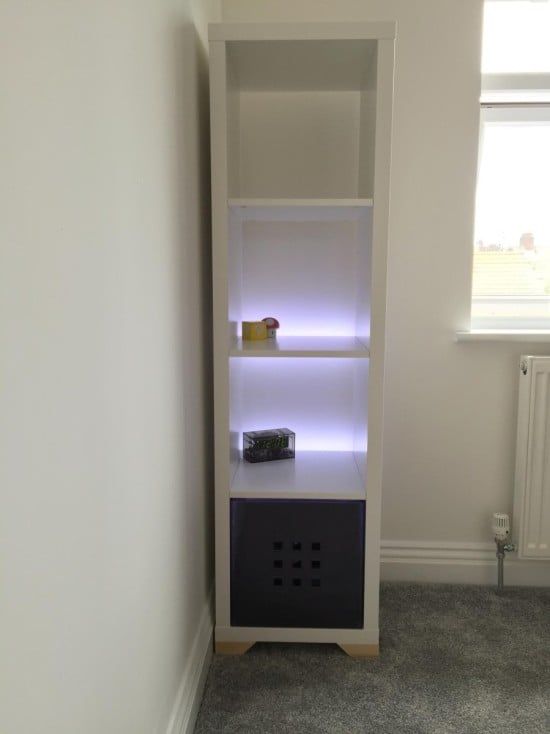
{"x":301,"y":118}
{"x":301,"y":66}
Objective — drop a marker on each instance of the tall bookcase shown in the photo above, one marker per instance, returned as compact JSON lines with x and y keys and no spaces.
{"x":301,"y":133}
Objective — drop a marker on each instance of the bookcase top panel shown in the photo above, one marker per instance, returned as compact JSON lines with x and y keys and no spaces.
{"x":301,"y":31}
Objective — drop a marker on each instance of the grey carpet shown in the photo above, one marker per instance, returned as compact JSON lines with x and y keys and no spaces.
{"x":454,"y":659}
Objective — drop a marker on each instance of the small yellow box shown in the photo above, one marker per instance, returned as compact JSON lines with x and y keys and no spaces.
{"x":254,"y":330}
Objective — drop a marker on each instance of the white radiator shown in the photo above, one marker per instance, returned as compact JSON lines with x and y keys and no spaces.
{"x":531,"y":520}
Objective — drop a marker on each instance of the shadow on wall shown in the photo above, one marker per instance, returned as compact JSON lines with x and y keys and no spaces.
{"x":191,"y":170}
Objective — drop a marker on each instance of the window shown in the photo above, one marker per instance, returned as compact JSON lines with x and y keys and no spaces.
{"x":511,"y":273}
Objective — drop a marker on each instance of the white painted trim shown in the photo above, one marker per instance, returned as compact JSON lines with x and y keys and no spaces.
{"x":456,"y":563}
{"x":189,"y":695}
{"x":515,"y":82}
{"x":504,"y":335}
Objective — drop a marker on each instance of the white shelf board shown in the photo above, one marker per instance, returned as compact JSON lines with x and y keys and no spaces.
{"x":311,"y":475}
{"x":299,"y":210}
{"x":504,"y":335}
{"x":302,"y":346}
{"x":246,"y":203}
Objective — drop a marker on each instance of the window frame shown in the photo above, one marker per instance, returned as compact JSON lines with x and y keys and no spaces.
{"x":510,"y":98}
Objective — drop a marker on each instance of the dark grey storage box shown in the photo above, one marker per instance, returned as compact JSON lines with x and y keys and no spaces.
{"x":297,"y":563}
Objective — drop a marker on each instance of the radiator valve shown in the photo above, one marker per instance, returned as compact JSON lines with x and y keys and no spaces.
{"x":501,"y":526}
{"x":501,"y":533}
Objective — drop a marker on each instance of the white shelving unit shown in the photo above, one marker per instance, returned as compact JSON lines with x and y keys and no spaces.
{"x":301,"y":120}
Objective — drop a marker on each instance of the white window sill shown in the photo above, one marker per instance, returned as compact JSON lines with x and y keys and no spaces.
{"x":527,"y":336}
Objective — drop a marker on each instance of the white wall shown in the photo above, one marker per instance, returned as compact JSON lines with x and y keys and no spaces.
{"x":105,"y":466}
{"x":450,"y":408}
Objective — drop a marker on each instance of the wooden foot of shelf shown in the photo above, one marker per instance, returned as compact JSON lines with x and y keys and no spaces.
{"x":361,"y":651}
{"x":232,"y":648}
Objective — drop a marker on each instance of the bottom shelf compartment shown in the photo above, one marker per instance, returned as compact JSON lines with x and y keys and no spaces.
{"x":297,"y":563}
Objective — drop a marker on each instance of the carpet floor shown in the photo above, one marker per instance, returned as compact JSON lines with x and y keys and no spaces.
{"x":454,"y":659}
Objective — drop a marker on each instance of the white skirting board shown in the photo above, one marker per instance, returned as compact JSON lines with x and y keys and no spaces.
{"x":456,"y":563}
{"x":189,"y":695}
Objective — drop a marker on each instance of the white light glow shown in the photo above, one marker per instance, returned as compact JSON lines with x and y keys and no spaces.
{"x":316,"y":398}
{"x":305,"y":274}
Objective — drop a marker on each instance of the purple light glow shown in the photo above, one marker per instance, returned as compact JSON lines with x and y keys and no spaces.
{"x":315,"y":397}
{"x":306,"y":274}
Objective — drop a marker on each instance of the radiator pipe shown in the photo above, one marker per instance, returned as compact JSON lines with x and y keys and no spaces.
{"x":502,"y":548}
